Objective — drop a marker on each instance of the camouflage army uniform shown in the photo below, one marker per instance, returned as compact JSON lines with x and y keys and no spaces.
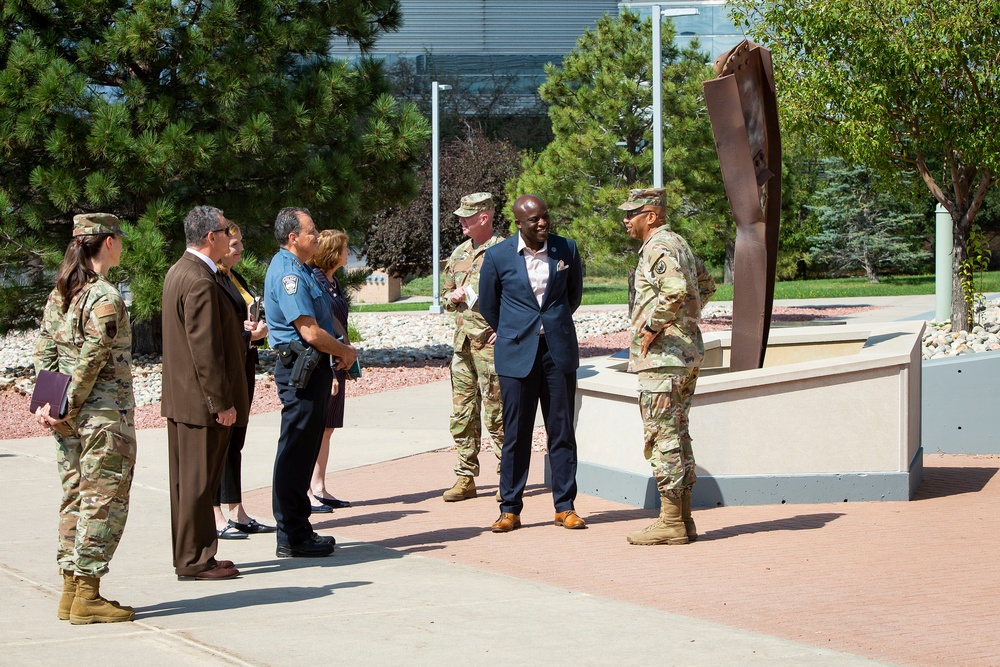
{"x":474,"y":382}
{"x":671,"y":286}
{"x":96,"y":446}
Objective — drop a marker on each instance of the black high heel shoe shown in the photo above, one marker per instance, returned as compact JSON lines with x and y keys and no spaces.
{"x":252,"y":527}
{"x":333,"y":502}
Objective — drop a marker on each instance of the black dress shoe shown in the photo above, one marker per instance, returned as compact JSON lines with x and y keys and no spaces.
{"x":328,"y":539}
{"x":321,"y":509}
{"x":333,"y":502}
{"x":232,"y":532}
{"x":311,"y":548}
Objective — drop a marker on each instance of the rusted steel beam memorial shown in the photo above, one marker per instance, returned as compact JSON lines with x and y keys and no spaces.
{"x":744,"y":113}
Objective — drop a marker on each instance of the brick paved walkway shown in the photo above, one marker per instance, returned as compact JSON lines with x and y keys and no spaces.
{"x":914,"y":583}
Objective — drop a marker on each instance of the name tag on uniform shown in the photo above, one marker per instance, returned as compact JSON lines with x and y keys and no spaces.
{"x":291,"y":284}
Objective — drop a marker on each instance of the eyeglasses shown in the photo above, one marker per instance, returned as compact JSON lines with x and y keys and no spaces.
{"x":227,"y":229}
{"x":631,"y":214}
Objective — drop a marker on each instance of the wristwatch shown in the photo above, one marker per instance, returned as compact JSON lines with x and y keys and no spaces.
{"x":652,"y":331}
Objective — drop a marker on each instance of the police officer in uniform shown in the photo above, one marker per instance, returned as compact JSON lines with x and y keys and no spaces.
{"x":301,"y":324}
{"x":86,"y":334}
{"x":474,"y":381}
{"x":671,"y":288}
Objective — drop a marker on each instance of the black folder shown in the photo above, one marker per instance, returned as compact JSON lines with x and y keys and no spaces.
{"x":51,"y":388}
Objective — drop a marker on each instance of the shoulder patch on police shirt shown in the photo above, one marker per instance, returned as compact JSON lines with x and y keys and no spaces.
{"x":291,"y":284}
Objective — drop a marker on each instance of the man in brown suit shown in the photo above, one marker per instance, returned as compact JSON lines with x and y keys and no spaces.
{"x":204,"y":390}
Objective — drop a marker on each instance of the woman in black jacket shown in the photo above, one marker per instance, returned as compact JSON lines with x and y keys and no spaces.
{"x":239,"y":524}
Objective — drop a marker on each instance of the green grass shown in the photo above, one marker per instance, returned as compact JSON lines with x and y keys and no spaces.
{"x":601,"y":291}
{"x":832,"y":288}
{"x":390,"y":307}
{"x":611,"y":290}
{"x":420,"y":286}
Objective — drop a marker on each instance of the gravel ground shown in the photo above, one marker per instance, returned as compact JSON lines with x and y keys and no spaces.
{"x":388,"y":363}
{"x":15,"y":422}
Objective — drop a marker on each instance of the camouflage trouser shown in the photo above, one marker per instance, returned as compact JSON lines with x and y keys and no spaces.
{"x":96,"y":462}
{"x":665,"y":429}
{"x":474,"y":385}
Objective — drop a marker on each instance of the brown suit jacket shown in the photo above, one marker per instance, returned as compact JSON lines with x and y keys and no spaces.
{"x":203,"y":346}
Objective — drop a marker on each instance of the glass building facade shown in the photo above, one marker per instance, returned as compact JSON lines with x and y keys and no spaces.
{"x":476,"y":45}
{"x":716,"y":34}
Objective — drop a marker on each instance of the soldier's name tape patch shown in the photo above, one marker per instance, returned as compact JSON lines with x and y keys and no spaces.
{"x":106,"y":310}
{"x":291,"y":284}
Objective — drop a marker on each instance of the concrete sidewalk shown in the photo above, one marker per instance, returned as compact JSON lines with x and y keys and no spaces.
{"x":368,"y":604}
{"x":416,"y":581}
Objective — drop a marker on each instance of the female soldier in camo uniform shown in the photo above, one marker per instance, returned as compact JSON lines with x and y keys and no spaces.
{"x":86,"y":334}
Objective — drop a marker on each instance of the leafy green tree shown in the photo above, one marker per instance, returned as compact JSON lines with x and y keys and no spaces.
{"x":899,"y":86}
{"x":800,"y":170}
{"x":144,"y":108}
{"x":988,"y":221}
{"x":600,"y":104}
{"x":400,"y":240}
{"x":862,"y":226}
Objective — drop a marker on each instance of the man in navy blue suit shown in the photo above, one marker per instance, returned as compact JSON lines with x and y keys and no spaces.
{"x":529,"y":287}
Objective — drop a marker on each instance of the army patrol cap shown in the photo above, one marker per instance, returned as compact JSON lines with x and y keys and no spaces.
{"x":648,"y":197}
{"x":474,"y":203}
{"x":92,"y":224}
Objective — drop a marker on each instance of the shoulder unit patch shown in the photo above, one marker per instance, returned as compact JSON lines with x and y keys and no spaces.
{"x":291,"y":284}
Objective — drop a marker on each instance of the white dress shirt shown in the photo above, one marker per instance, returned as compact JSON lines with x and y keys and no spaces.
{"x":205,"y":259}
{"x":537,"y":264}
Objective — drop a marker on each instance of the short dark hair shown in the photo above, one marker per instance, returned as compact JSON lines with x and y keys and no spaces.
{"x":199,"y":222}
{"x":287,"y":222}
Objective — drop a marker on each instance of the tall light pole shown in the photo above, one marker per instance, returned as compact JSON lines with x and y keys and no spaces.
{"x":658,"y":15}
{"x":435,"y":196}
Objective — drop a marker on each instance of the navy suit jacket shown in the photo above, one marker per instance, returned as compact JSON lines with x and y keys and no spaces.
{"x":510,"y":307}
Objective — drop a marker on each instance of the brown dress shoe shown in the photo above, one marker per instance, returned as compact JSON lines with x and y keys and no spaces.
{"x":215,"y":574}
{"x":570,"y":519}
{"x":506,"y":523}
{"x":228,"y":564}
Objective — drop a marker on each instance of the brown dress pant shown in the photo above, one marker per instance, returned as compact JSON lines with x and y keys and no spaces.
{"x":197,"y":454}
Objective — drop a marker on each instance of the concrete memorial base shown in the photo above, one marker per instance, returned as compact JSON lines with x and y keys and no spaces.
{"x":834,"y":416}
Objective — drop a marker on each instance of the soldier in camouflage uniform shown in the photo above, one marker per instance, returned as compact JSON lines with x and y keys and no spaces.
{"x":86,"y":334}
{"x":671,"y":286}
{"x":474,"y":382}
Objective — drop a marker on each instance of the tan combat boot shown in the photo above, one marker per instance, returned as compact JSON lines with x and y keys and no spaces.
{"x":689,"y":527}
{"x":68,"y":593}
{"x":90,"y":607}
{"x":667,"y":529}
{"x":465,"y":488}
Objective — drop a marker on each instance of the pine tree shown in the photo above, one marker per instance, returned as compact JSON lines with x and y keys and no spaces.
{"x":600,"y":103}
{"x":145,"y":108}
{"x":862,"y":226}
